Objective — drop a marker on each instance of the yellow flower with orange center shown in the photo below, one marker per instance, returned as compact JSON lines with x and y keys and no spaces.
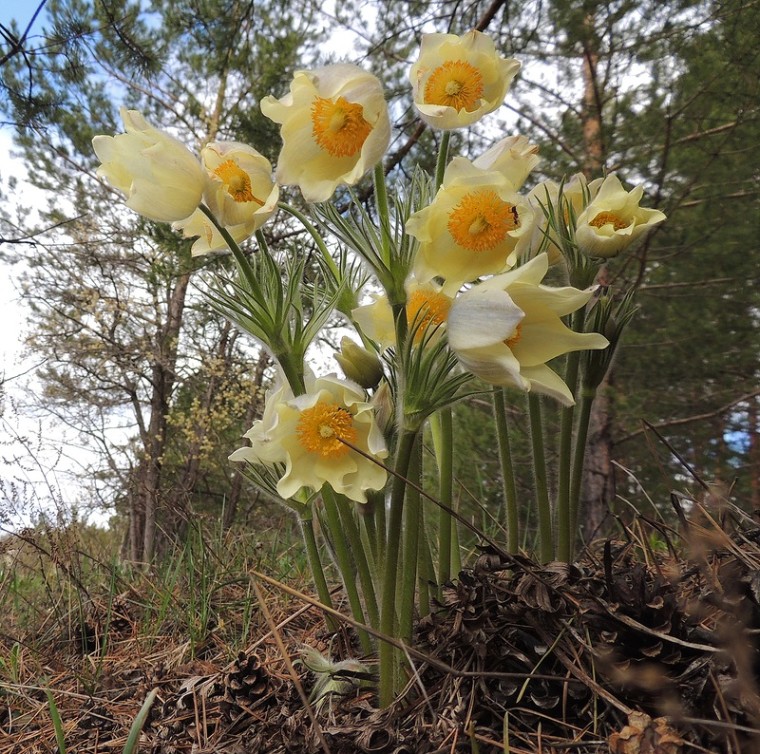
{"x":335,"y":128}
{"x":613,"y":219}
{"x":507,"y":328}
{"x":476,"y":225}
{"x":459,"y":79}
{"x":576,"y":193}
{"x":240,"y":192}
{"x":313,"y":437}
{"x":427,"y":307}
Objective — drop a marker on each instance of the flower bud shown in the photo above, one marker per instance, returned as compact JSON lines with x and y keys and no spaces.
{"x":359,"y":364}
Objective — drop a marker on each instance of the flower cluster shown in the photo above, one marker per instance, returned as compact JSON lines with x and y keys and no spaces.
{"x":504,"y":326}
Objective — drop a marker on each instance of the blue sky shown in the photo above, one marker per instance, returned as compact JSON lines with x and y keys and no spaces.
{"x":22,"y":11}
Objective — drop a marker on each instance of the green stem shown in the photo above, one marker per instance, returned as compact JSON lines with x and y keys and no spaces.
{"x":315,"y":564}
{"x":427,"y":571}
{"x":345,"y":563}
{"x":387,"y":660}
{"x":443,"y":442}
{"x":443,"y":156}
{"x":584,"y":417}
{"x":507,"y":470}
{"x":360,"y":558}
{"x":546,"y":545}
{"x":565,"y":529}
{"x":383,"y":212}
{"x":411,"y":539}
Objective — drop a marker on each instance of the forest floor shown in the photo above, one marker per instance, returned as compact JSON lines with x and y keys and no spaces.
{"x":648,"y":645}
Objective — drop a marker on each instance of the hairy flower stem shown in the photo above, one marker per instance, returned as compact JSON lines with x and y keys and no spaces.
{"x":351,"y":528}
{"x":441,"y":426}
{"x":584,"y":416}
{"x":381,"y":202}
{"x":443,"y":156}
{"x":512,"y":518}
{"x":565,"y":526}
{"x":546,"y":543}
{"x":405,"y":448}
{"x":410,"y":566}
{"x":315,"y":565}
{"x":345,"y":563}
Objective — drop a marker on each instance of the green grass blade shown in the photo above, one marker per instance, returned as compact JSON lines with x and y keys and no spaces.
{"x":55,"y":716}
{"x":134,"y":732}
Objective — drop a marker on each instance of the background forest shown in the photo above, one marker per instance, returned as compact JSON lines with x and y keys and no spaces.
{"x":142,"y":375}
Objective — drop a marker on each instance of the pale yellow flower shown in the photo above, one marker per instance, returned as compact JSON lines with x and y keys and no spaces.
{"x":576,"y":193}
{"x":160,"y":177}
{"x":459,"y":79}
{"x":311,"y":434}
{"x":477,"y":224}
{"x":505,"y":329}
{"x":426,"y":306}
{"x":240,"y":192}
{"x":613,"y":220}
{"x":335,"y":128}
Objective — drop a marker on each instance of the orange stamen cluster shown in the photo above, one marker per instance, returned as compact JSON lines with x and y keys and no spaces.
{"x":324,"y":429}
{"x":456,"y":84}
{"x":339,"y":126}
{"x":426,"y":308}
{"x":236,"y":181}
{"x":514,"y":338}
{"x":609,"y":218}
{"x":481,"y":221}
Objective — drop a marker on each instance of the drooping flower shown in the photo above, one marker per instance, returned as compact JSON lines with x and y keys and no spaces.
{"x":576,"y":194}
{"x":240,"y":192}
{"x":160,"y":177}
{"x":309,"y":433}
{"x":426,"y":306}
{"x":459,"y":79}
{"x":505,"y":329}
{"x":613,"y":219}
{"x":477,"y":224}
{"x":513,"y":156}
{"x":335,"y":128}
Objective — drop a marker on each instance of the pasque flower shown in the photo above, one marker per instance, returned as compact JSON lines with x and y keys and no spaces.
{"x":613,"y":219}
{"x":505,"y":329}
{"x":576,"y":193}
{"x":335,"y":128}
{"x":426,"y":306}
{"x":240,"y":192}
{"x":477,"y":224}
{"x":459,"y":79}
{"x":160,"y":177}
{"x":311,"y":435}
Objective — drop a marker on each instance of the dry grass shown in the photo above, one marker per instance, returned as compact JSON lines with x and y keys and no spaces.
{"x":648,"y":646}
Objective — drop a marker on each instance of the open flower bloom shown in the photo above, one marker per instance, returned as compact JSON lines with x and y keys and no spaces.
{"x":160,"y":177}
{"x":335,"y":128}
{"x":506,"y":329}
{"x":576,"y":194}
{"x":426,"y":306}
{"x":308,"y":434}
{"x":513,"y":156}
{"x":477,"y":224}
{"x":240,"y":192}
{"x":457,"y":80}
{"x":613,"y":219}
